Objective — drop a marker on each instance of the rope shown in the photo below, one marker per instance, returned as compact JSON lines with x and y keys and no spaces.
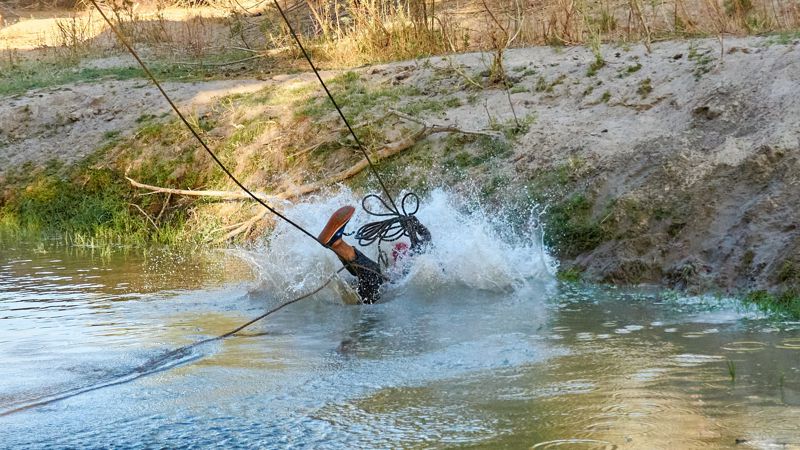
{"x":388,"y":230}
{"x":190,"y":127}
{"x":161,"y":363}
{"x":339,"y":110}
{"x":385,"y":230}
{"x":401,"y":223}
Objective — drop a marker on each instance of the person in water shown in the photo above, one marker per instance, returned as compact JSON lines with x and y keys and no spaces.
{"x":368,"y":272}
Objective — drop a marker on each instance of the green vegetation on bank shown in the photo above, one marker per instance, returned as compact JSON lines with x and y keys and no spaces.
{"x":787,"y":298}
{"x":785,"y":301}
{"x":90,"y":202}
{"x":18,"y":77}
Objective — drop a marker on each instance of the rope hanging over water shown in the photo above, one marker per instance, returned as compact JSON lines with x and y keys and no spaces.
{"x":399,"y":224}
{"x":188,"y":125}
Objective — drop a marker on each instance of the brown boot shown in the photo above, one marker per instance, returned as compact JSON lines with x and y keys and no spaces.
{"x":335,"y":227}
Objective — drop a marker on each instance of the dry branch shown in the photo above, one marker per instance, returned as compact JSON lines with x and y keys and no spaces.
{"x":244,"y":227}
{"x":223,"y":195}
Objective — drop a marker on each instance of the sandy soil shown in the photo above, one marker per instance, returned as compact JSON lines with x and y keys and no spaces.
{"x":693,"y":158}
{"x":68,"y":123}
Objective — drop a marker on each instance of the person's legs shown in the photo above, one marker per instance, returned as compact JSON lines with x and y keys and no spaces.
{"x":366,"y":270}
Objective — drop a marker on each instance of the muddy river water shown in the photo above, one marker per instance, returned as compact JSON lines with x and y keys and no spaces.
{"x":439,"y":364}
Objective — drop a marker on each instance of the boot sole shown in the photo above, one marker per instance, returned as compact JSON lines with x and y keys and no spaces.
{"x":337,"y":221}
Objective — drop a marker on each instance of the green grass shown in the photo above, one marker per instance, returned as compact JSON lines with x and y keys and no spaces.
{"x":569,"y":227}
{"x":92,"y":202}
{"x":356,"y":98}
{"x":542,"y":85}
{"x":475,"y":151}
{"x":702,"y":60}
{"x":245,"y":135}
{"x":570,"y":275}
{"x":633,"y":69}
{"x":783,"y":38}
{"x":20,"y":78}
{"x":786,"y":297}
{"x":731,"y":370}
{"x":595,"y":66}
{"x":786,"y":301}
{"x":789,"y":272}
{"x":645,"y":87}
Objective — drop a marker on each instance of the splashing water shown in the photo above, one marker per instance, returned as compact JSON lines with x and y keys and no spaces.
{"x":469,"y":250}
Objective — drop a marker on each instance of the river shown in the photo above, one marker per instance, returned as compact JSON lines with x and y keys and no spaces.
{"x":476,"y":346}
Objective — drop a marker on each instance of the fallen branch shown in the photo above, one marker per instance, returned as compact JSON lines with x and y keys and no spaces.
{"x":387,"y":151}
{"x":223,"y":195}
{"x":164,"y":206}
{"x":436,"y":128}
{"x":244,"y":227}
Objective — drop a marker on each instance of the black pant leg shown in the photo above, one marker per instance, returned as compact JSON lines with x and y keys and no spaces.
{"x":369,"y":277}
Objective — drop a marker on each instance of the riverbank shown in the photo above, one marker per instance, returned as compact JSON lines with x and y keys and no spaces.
{"x":676,"y":166}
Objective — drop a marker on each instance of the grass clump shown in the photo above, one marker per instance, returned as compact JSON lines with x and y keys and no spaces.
{"x":786,"y":301}
{"x":596,"y":65}
{"x":569,"y":275}
{"x":88,"y":203}
{"x":542,"y":85}
{"x":476,"y":150}
{"x":789,"y":272}
{"x":570,"y":228}
{"x":731,"y":370}
{"x":356,"y":98}
{"x":633,"y":69}
{"x":645,"y":87}
{"x":702,"y":61}
{"x":22,"y":77}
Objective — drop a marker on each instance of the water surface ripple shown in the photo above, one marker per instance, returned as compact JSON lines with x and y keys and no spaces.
{"x":439,"y":364}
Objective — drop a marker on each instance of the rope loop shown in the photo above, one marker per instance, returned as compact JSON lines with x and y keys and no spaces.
{"x":400,"y":223}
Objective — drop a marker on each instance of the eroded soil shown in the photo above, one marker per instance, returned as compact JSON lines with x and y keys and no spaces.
{"x":678,"y":166}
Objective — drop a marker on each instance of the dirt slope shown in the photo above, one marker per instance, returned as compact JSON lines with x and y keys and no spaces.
{"x":678,"y":167}
{"x":69,"y":122}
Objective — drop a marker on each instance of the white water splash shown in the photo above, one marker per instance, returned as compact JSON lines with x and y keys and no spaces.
{"x":467,"y":251}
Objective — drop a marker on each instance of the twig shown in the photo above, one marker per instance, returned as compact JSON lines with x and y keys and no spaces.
{"x":145,"y":214}
{"x":164,"y":206}
{"x":436,"y":128}
{"x":245,"y":226}
{"x":244,"y":49}
{"x":464,"y":75}
{"x":510,"y":103}
{"x":227,"y":227}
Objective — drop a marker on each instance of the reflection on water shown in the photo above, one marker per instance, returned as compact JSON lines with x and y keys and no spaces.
{"x":541,"y":367}
{"x":71,"y":316}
